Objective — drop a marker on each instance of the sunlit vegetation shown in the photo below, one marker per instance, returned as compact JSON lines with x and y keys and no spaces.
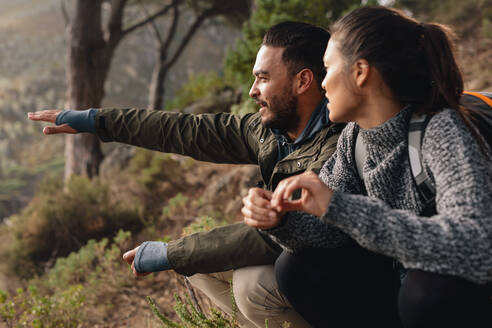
{"x":62,"y":243}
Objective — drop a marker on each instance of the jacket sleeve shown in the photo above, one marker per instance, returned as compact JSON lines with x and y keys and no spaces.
{"x":219,"y":138}
{"x":224,"y":248}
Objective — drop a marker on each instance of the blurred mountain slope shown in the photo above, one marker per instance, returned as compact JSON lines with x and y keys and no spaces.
{"x":32,"y":77}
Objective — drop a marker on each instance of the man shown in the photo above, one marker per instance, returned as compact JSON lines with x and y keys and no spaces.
{"x":291,"y":133}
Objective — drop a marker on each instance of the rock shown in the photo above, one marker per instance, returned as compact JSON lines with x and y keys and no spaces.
{"x":116,"y":160}
{"x":224,"y":194}
{"x":214,"y":103}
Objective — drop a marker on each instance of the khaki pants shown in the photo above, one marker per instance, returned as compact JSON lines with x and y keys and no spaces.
{"x":256,"y":294}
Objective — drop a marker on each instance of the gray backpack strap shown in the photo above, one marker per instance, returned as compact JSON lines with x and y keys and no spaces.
{"x":360,"y":154}
{"x":416,"y":132}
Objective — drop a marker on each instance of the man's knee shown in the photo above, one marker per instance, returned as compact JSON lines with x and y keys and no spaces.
{"x":256,"y":292}
{"x":216,"y":286}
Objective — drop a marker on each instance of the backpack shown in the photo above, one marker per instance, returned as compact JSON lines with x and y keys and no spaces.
{"x":479,"y":105}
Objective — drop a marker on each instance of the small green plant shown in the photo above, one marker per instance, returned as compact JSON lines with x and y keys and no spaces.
{"x":190,"y":316}
{"x":202,"y":223}
{"x":197,"y":87}
{"x":175,"y":206}
{"x":237,"y":67}
{"x":59,"y":298}
{"x":90,"y":263}
{"x":59,"y":220}
{"x":30,"y":308}
{"x":151,"y":169}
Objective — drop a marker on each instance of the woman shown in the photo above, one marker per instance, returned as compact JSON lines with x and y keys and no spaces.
{"x":381,"y":66}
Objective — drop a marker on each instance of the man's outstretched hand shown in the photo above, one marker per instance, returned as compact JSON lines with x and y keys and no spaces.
{"x":50,"y":116}
{"x":129,"y":257}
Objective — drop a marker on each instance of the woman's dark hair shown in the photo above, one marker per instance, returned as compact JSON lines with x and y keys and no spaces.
{"x":304,"y":46}
{"x":416,"y":60}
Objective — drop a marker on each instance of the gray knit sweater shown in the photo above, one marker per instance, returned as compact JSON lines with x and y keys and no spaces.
{"x":381,"y":212}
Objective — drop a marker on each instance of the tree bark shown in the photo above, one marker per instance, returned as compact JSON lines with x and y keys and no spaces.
{"x":90,"y":50}
{"x":233,"y":9}
{"x":87,"y":67}
{"x":156,"y":90}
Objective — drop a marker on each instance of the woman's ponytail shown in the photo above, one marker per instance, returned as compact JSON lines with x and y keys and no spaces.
{"x":446,"y":79}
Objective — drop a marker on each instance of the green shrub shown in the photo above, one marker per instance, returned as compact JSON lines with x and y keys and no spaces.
{"x":239,"y":61}
{"x":89,"y":264}
{"x":203,"y":223}
{"x":62,"y":296}
{"x":29,"y":308}
{"x":152,"y":168}
{"x":193,"y":316}
{"x":58,"y":221}
{"x":176,"y":206}
{"x":197,"y":87}
{"x":190,"y":316}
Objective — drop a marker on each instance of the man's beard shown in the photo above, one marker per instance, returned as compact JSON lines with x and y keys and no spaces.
{"x":284,"y":112}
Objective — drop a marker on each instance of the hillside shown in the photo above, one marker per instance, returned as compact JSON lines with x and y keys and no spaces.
{"x":46,"y":225}
{"x":32,"y":66}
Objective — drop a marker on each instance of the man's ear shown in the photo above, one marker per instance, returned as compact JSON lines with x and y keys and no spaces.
{"x":303,"y":80}
{"x":361,"y":71}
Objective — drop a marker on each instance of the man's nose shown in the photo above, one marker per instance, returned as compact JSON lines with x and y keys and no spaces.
{"x":254,"y":92}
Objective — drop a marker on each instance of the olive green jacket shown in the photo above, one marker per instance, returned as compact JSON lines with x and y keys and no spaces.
{"x":218,"y":138}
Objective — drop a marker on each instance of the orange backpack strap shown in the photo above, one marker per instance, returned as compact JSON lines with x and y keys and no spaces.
{"x":484,"y":98}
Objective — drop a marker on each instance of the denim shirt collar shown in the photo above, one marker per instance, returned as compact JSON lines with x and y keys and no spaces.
{"x":318,"y":120}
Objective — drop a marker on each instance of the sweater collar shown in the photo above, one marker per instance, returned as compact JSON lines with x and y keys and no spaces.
{"x":389,"y":134}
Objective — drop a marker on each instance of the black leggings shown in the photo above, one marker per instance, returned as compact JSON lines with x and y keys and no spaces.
{"x":353,"y":287}
{"x":433,"y":300}
{"x":341,"y":287}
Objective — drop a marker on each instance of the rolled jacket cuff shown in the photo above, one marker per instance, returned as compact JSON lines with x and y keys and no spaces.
{"x":151,"y":257}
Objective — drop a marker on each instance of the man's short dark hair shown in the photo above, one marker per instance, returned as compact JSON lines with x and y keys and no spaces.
{"x":304,"y":45}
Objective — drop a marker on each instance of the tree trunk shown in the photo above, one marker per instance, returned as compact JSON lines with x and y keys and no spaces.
{"x":88,"y":63}
{"x":156,"y":89}
{"x":90,"y":51}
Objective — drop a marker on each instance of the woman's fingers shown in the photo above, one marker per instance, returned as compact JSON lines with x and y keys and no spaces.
{"x":284,"y":191}
{"x":286,"y":187}
{"x":291,"y":205}
{"x":314,"y":199}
